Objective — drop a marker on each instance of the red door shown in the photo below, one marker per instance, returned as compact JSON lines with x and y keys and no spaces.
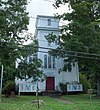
{"x":50,"y":83}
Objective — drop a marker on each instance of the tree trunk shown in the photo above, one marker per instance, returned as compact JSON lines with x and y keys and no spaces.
{"x":98,"y":85}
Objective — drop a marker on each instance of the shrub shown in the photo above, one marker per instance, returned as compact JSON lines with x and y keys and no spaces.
{"x":9,"y":88}
{"x":85,"y":82}
{"x":63,"y":87}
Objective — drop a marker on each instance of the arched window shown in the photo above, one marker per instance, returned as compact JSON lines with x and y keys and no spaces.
{"x":54,"y":66}
{"x":49,"y":61}
{"x":45,"y":61}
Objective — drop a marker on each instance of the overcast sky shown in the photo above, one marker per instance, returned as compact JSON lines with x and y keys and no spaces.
{"x":41,"y":7}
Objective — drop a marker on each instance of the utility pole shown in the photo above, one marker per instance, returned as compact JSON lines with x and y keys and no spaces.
{"x":1,"y":83}
{"x":37,"y":94}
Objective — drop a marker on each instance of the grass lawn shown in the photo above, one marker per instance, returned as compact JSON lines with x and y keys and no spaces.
{"x":80,"y":102}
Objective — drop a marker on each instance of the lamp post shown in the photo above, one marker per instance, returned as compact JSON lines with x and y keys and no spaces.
{"x":1,"y":83}
{"x":37,"y":94}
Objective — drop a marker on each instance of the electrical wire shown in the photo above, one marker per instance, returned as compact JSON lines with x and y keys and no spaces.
{"x":73,"y":44}
{"x":77,"y":56}
{"x":68,"y":51}
{"x":69,"y":55}
{"x":71,"y":52}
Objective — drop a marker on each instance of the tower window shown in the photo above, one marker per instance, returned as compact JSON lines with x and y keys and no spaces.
{"x":49,"y":22}
{"x":45,"y":61}
{"x":49,"y":61}
{"x":54,"y":62}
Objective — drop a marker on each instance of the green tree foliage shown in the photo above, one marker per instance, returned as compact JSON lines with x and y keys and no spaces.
{"x":9,"y":88}
{"x":13,"y":22}
{"x":86,"y":83}
{"x":29,"y":65}
{"x":13,"y":33}
{"x":30,"y":69}
{"x":82,"y":34}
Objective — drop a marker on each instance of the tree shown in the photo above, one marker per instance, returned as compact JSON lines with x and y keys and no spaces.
{"x":13,"y":28}
{"x":10,"y":71}
{"x":81,"y":36}
{"x":30,"y":69}
{"x":29,"y":65}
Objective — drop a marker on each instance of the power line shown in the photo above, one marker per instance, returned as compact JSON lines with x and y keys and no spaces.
{"x":92,"y":54}
{"x":67,"y":55}
{"x":77,"y":56}
{"x":59,"y":50}
{"x":71,"y":51}
{"x":83,"y":53}
{"x":73,"y":44}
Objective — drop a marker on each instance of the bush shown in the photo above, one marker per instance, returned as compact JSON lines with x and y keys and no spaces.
{"x":63,"y":87}
{"x":9,"y":88}
{"x":85,"y":82}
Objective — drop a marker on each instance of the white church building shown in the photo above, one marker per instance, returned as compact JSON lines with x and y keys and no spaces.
{"x":51,"y":64}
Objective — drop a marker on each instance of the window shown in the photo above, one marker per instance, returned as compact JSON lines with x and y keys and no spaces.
{"x":45,"y":61}
{"x":30,"y":59}
{"x":49,"y":61}
{"x":67,"y":66}
{"x":49,"y":22}
{"x":54,"y":66}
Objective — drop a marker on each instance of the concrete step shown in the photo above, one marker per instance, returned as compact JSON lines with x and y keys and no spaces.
{"x":51,"y":93}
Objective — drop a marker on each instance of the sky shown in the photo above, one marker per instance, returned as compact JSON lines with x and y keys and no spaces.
{"x":41,"y":7}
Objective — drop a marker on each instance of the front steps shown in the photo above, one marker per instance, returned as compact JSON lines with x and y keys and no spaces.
{"x":51,"y":93}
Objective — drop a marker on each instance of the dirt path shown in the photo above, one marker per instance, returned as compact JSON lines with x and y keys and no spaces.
{"x":64,"y":101}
